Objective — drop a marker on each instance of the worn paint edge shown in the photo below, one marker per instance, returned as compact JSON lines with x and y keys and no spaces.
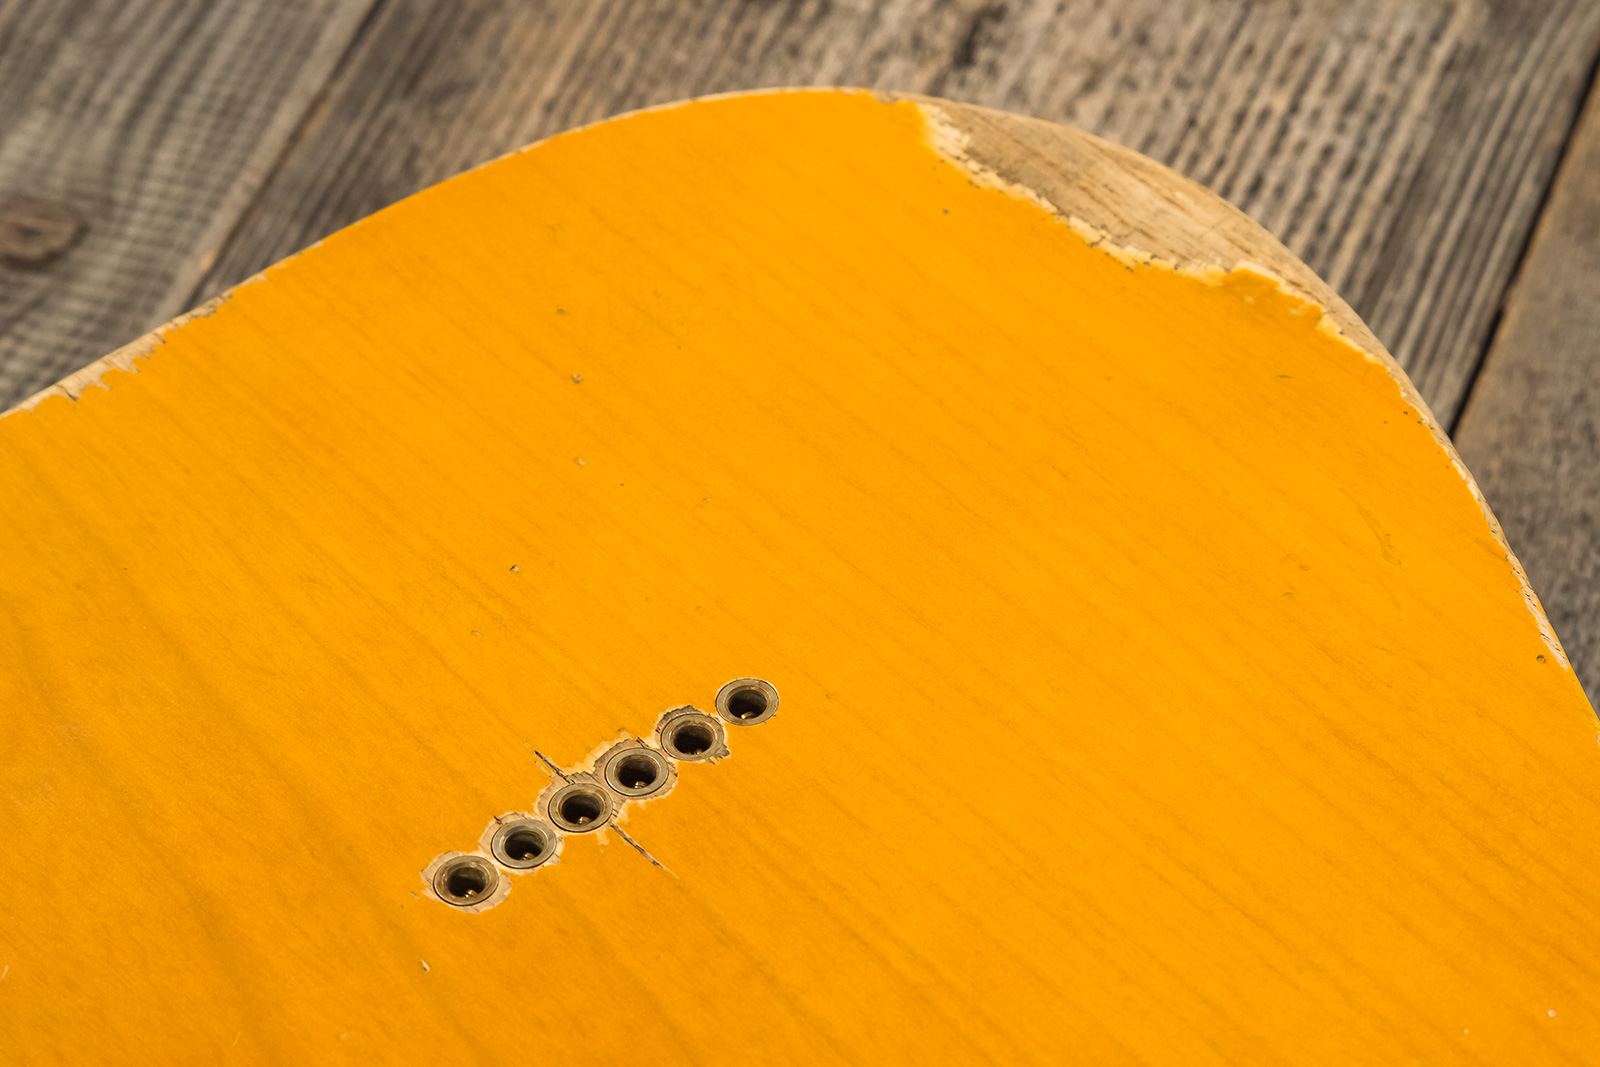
{"x":951,"y":143}
{"x":90,"y":375}
{"x":126,"y":358}
{"x":948,"y":141}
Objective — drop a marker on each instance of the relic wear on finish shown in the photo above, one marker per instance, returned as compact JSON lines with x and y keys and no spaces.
{"x":1156,"y":688}
{"x":586,"y":799}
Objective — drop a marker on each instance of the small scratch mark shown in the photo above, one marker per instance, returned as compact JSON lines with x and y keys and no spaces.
{"x":580,"y":463}
{"x":547,"y":762}
{"x":236,"y":1038}
{"x":515,"y":569}
{"x":577,"y":379}
{"x":1385,"y":542}
{"x":5,"y":972}
{"x":425,"y":966}
{"x":657,"y":862}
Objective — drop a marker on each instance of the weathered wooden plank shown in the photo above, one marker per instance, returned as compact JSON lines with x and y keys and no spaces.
{"x":1400,"y":149}
{"x":132,"y":133}
{"x":1532,"y":430}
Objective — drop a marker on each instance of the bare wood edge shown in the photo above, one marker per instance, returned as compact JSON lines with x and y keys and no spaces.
{"x":1123,"y":203}
{"x":1139,"y":211}
{"x":125,"y":358}
{"x":86,"y":377}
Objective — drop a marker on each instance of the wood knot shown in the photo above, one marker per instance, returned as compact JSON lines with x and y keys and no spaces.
{"x":35,"y":230}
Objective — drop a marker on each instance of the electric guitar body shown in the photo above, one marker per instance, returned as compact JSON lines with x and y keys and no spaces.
{"x":798,"y":577}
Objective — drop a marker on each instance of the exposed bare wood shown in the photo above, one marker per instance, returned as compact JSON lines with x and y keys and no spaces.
{"x":132,"y":134}
{"x":1401,"y":150}
{"x":1145,"y":211}
{"x":1153,"y":688}
{"x":1532,"y":430}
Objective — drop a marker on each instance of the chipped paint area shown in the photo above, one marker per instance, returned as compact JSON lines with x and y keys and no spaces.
{"x":128,"y":356}
{"x":861,"y":462}
{"x":953,"y":144}
{"x":125,"y":358}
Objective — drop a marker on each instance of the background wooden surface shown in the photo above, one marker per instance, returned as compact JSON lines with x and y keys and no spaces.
{"x":154,"y":152}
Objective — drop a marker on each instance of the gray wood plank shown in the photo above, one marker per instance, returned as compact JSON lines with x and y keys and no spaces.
{"x":1401,"y":149}
{"x":132,"y":135}
{"x":1531,"y":432}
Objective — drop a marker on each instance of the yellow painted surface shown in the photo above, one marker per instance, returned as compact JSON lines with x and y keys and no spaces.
{"x":1153,"y":689}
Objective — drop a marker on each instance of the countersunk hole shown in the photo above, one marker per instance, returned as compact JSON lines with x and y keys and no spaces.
{"x":637,"y":772}
{"x":466,"y":883}
{"x":748,"y":704}
{"x":524,"y":843}
{"x":690,"y":734}
{"x":747,"y":701}
{"x":465,"y":880}
{"x":580,"y":808}
{"x":691,"y":739}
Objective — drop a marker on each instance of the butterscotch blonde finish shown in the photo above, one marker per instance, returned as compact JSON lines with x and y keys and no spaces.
{"x":1153,"y":687}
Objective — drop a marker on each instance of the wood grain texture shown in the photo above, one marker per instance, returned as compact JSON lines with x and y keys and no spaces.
{"x":1121,"y":200}
{"x":1532,"y":430}
{"x":1400,"y":149}
{"x":1154,"y":689}
{"x":150,"y":124}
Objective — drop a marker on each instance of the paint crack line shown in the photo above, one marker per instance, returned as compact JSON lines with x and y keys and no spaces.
{"x":642,"y":851}
{"x":547,"y":762}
